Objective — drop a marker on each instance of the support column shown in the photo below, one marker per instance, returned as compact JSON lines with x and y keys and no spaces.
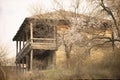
{"x":23,"y":65}
{"x":19,"y":67}
{"x":27,"y":62}
{"x":31,"y":60}
{"x":31,"y":32}
{"x":19,"y":46}
{"x":16,"y":68}
{"x":16,"y":48}
{"x":31,"y":52}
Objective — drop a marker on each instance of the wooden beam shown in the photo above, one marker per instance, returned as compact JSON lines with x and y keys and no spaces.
{"x":19,"y":67}
{"x":23,"y":41}
{"x":19,"y":46}
{"x":16,"y":47}
{"x":27,"y":60}
{"x":49,"y":46}
{"x":31,"y":59}
{"x":23,"y":64}
{"x":31,"y":32}
{"x":44,"y":39}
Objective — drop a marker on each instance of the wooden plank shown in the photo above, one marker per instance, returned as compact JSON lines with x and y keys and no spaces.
{"x":43,"y":38}
{"x":45,"y":47}
{"x":37,"y":43}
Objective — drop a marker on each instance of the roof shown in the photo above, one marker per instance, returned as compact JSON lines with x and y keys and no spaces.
{"x":25,"y":22}
{"x":25,"y":25}
{"x":57,"y":17}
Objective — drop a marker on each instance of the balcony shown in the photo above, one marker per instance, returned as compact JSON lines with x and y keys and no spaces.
{"x":37,"y":43}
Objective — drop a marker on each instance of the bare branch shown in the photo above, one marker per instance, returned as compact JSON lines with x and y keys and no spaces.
{"x":108,"y":10}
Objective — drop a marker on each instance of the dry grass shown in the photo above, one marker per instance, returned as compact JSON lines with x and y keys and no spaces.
{"x":81,"y":67}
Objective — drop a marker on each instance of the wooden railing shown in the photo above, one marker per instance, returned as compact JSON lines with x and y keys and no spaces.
{"x":24,"y":47}
{"x":43,"y":40}
{"x":38,"y":43}
{"x":43,"y":43}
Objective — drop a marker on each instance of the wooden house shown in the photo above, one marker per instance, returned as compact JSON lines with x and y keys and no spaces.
{"x":36,"y":39}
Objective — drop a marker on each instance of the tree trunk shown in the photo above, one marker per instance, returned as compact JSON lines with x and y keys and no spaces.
{"x":68,"y":51}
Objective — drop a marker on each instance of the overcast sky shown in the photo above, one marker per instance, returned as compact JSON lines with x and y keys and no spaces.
{"x":12,"y":14}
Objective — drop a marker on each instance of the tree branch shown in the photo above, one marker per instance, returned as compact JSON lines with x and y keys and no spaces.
{"x":108,"y":10}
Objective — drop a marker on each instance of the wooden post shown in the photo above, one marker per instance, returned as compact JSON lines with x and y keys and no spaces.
{"x":31,"y":32}
{"x":31,"y":59}
{"x":19,"y":67}
{"x":31,"y":52}
{"x":19,"y":46}
{"x":16,"y":48}
{"x":55,"y":35}
{"x":23,"y":41}
{"x":16,"y":68}
{"x":27,"y":64}
{"x":24,"y":64}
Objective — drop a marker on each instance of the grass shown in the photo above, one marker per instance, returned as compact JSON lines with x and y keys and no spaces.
{"x":87,"y":68}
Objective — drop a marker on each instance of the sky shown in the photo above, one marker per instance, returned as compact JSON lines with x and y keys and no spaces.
{"x":12,"y":14}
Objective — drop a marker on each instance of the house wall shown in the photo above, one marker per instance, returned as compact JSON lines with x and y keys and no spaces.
{"x":60,"y":57}
{"x":44,"y":60}
{"x":96,"y":53}
{"x":79,"y":54}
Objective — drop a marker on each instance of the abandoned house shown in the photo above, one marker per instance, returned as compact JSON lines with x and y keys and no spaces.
{"x":36,"y":41}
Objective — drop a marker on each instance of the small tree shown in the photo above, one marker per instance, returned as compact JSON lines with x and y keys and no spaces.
{"x":3,"y":61}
